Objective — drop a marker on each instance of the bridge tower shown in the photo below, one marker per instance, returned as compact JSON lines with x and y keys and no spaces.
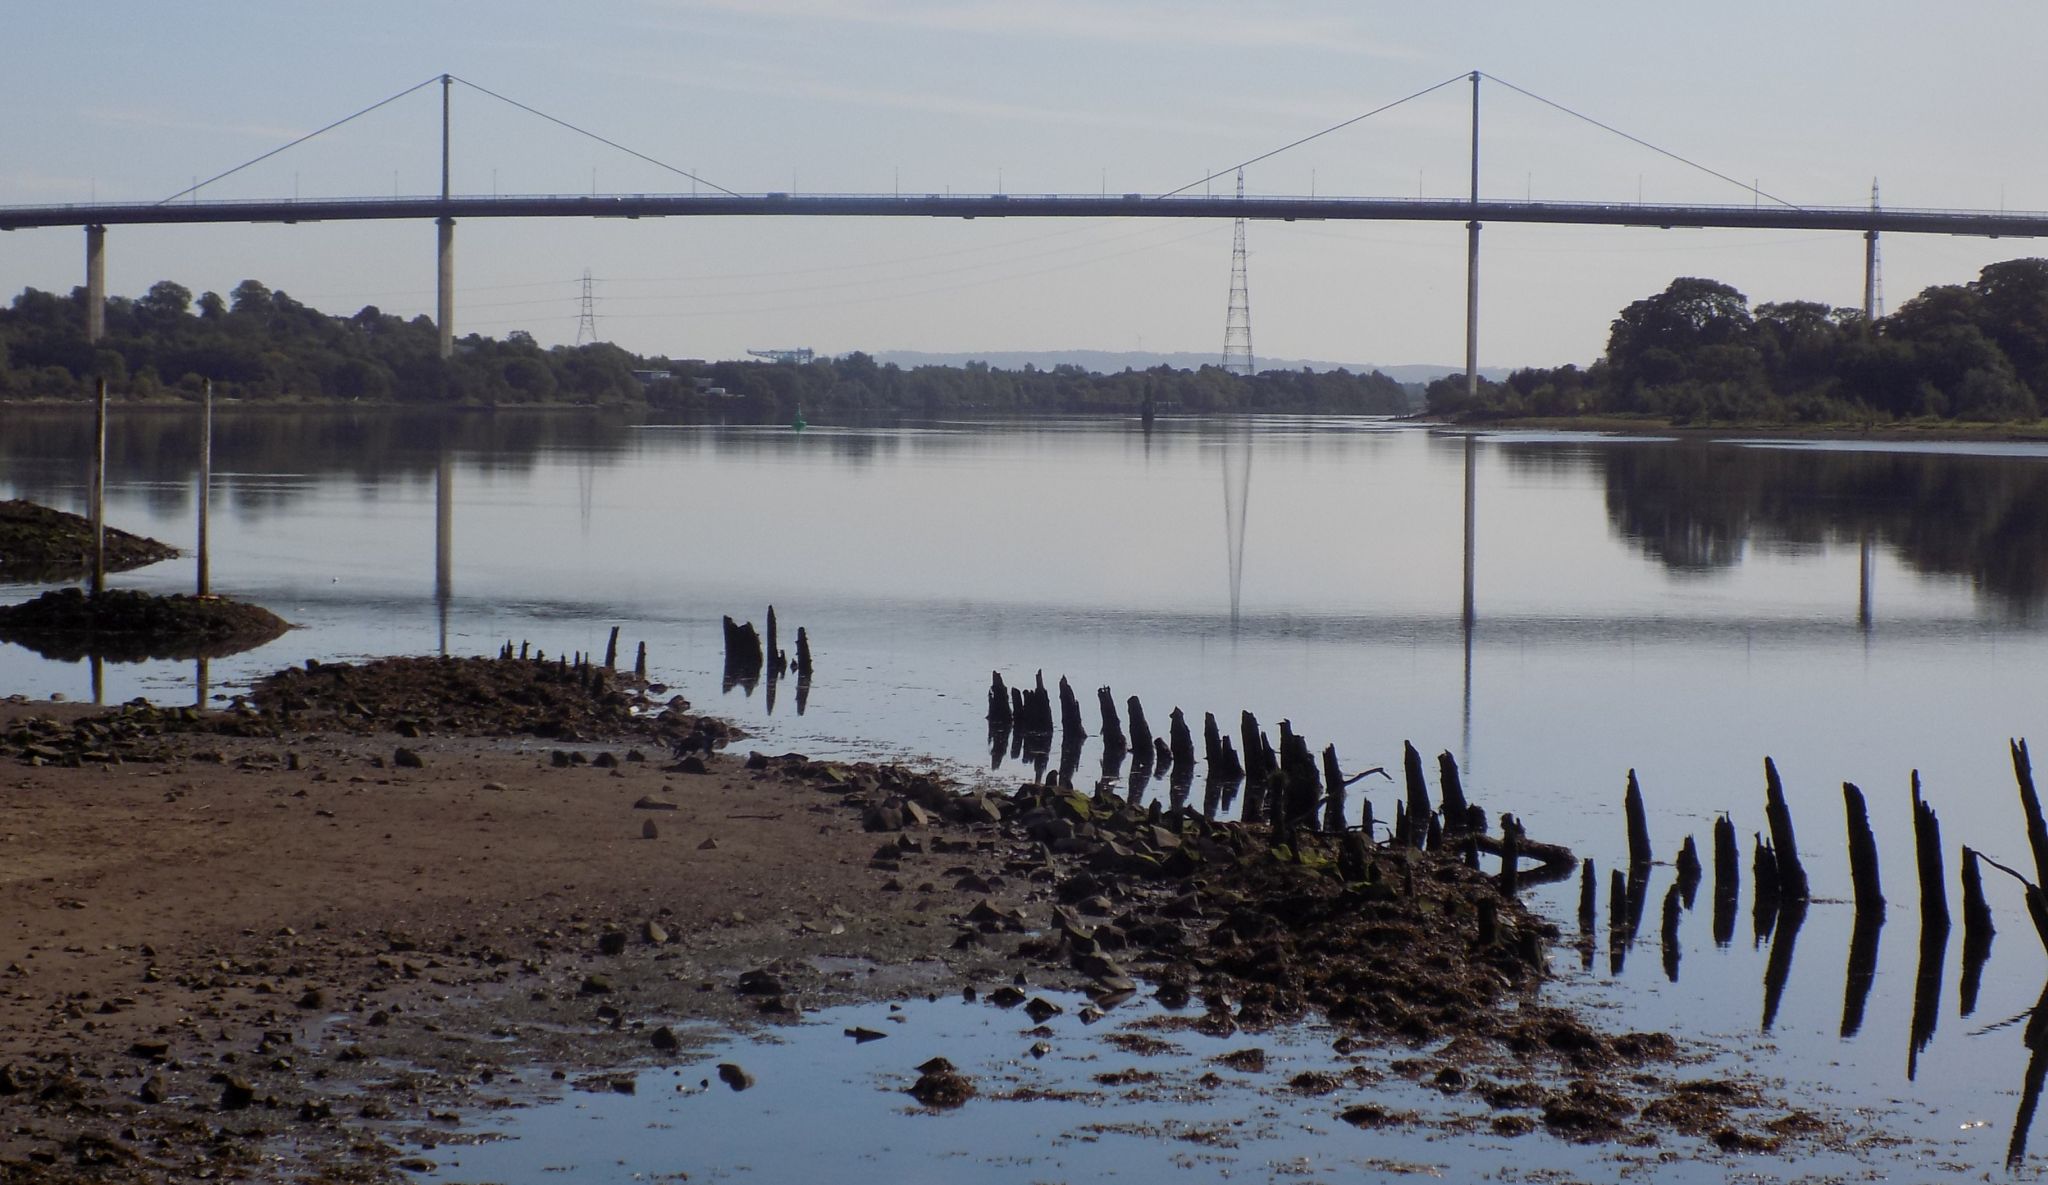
{"x":444,"y":304}
{"x":1873,"y":275}
{"x":1237,"y":324}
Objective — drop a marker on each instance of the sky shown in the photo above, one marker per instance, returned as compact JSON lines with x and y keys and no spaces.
{"x":1808,"y":102}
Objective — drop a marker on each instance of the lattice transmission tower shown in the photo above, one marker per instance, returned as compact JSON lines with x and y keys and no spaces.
{"x":1237,"y":325}
{"x":586,"y":315}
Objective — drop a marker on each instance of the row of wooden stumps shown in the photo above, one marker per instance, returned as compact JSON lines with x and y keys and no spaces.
{"x":748,"y":657}
{"x":1285,"y":786}
{"x":593,"y":672}
{"x":1781,"y":894}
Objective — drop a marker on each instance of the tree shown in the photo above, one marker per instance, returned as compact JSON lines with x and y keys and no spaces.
{"x":165,"y":304}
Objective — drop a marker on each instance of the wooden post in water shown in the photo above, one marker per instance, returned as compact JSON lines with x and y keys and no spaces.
{"x":1688,"y":866}
{"x":99,"y":489}
{"x":1418,"y":794}
{"x":1862,"y":852}
{"x":1976,"y":913}
{"x":639,"y":661}
{"x":1589,"y":888}
{"x":1927,"y":842}
{"x":1510,"y":855}
{"x":1727,"y":859}
{"x":1451,"y":788}
{"x":205,"y":486}
{"x":1638,"y":825}
{"x":611,"y":651}
{"x":1791,"y":874}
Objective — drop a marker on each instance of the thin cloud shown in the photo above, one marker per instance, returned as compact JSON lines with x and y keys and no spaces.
{"x":136,"y":117}
{"x":1147,"y":22}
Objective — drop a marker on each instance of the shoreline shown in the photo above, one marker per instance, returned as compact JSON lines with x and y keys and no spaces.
{"x":234,"y":923}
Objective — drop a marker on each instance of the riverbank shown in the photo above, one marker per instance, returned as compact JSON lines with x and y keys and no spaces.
{"x":328,"y":923}
{"x":1899,"y":430}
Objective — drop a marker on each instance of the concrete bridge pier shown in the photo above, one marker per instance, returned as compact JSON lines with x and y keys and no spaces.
{"x":95,"y":282}
{"x":445,"y":288}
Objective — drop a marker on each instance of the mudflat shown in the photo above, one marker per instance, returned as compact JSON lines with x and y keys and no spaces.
{"x":295,"y":937}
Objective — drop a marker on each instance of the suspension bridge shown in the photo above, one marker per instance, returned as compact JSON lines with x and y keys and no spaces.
{"x":710,"y":200}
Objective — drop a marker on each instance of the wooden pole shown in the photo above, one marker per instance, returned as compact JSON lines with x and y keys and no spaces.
{"x":1418,"y":794}
{"x":1727,"y":860}
{"x":1638,"y":825}
{"x":1862,"y":852}
{"x":1589,"y":888}
{"x":205,"y":487}
{"x":1452,"y":788}
{"x":1791,"y":874}
{"x":98,"y":495}
{"x":1927,"y":843}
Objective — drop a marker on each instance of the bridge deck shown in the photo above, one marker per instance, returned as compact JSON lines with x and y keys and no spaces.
{"x":1990,"y":224}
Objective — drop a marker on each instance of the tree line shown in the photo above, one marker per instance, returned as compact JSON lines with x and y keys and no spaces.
{"x":1697,"y":353}
{"x":260,"y":344}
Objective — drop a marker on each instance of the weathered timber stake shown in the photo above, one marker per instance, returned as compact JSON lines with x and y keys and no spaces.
{"x":1182,"y":748}
{"x":1162,"y":756}
{"x":1617,"y":907}
{"x":1791,"y":874}
{"x":1112,"y":728}
{"x":1927,"y":844}
{"x":639,"y":660}
{"x":1688,"y":865}
{"x":1638,"y":824}
{"x":1977,"y":925}
{"x":1141,"y":733}
{"x":611,"y":651}
{"x":1304,"y":781}
{"x":1763,"y":867}
{"x":1588,"y":890}
{"x":1070,"y":712}
{"x":1727,"y":860}
{"x":1000,"y":711}
{"x":1452,"y":787}
{"x":1862,"y":851}
{"x":1510,"y":855}
{"x":1333,"y":782}
{"x":1212,"y":741}
{"x":774,"y":652}
{"x":1489,"y":921}
{"x":803,"y":655}
{"x":1434,"y":838}
{"x":2037,"y":830}
{"x":1418,"y":794}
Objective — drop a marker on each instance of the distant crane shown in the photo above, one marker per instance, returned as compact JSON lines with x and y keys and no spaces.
{"x":796,"y":357}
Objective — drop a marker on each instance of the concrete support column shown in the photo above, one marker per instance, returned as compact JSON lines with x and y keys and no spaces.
{"x":1869,"y":276}
{"x":95,"y":283}
{"x":445,"y":308}
{"x":1472,"y":312}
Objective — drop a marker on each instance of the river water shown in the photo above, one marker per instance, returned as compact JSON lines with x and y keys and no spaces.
{"x":1684,"y":608}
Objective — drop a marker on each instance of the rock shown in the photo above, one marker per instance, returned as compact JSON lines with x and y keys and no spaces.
{"x":862,"y":1036}
{"x":153,"y":1050}
{"x":654,"y":933}
{"x":881,"y":818}
{"x":1041,"y":1009}
{"x":710,"y":844}
{"x":154,"y":1089}
{"x":732,"y":1075}
{"x":645,"y":803}
{"x":942,"y":1086}
{"x":405,"y":758}
{"x":692,"y":764}
{"x":595,"y":985}
{"x":648,"y":830}
{"x":1006,"y":996}
{"x":236,"y":1094}
{"x":665,"y":1040}
{"x":612,"y":942}
{"x":1039,"y":1049}
{"x":606,"y":760}
{"x":761,"y":982}
{"x":314,"y":998}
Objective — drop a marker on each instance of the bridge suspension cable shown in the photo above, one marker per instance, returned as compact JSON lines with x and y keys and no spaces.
{"x":593,"y":135}
{"x":197,"y":186}
{"x":1637,"y":140}
{"x":1316,"y":136}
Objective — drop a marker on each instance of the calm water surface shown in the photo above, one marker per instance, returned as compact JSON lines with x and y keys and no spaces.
{"x":1680,"y":608}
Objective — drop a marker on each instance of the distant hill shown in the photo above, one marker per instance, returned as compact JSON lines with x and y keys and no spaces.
{"x":1113,"y":361}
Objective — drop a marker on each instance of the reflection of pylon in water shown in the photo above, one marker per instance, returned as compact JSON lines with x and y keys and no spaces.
{"x":586,"y":319}
{"x":1237,"y":496}
{"x":1237,"y":326}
